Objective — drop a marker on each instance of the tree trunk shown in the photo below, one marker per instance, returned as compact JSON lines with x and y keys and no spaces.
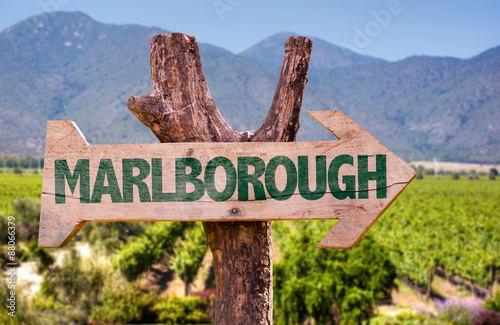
{"x":430,"y":276}
{"x":491,"y":281}
{"x":186,"y":284}
{"x":180,"y":108}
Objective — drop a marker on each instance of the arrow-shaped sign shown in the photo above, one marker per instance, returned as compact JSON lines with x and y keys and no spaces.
{"x":354,"y":180}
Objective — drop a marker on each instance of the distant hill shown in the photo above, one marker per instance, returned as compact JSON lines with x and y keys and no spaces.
{"x":324,"y":55}
{"x":68,"y":66}
{"x":423,"y":106}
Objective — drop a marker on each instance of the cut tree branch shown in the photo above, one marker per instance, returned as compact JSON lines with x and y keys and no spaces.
{"x":181,"y":109}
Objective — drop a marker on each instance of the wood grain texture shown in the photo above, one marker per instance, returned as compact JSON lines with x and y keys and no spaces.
{"x":65,"y":141}
{"x":180,"y":108}
{"x":181,"y":111}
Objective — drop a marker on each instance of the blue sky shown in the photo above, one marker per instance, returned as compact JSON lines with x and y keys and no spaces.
{"x":390,"y":29}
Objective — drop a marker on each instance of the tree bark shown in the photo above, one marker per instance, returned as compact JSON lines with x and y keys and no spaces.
{"x":491,"y":281}
{"x":430,"y":277}
{"x":180,"y":108}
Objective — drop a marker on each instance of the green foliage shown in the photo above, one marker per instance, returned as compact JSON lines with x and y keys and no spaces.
{"x":186,"y":310}
{"x":13,"y":186}
{"x":420,"y":172}
{"x":45,"y":259}
{"x":189,"y":254}
{"x":458,"y":315}
{"x":402,"y":318}
{"x":75,"y":284}
{"x":13,"y":161}
{"x":68,"y":282}
{"x":110,"y":236}
{"x":451,"y":224}
{"x":27,"y":214}
{"x":48,"y":310}
{"x":493,"y":303}
{"x":137,"y":256}
{"x":136,"y":305}
{"x":473,"y":175}
{"x":4,"y":257}
{"x":133,"y":305}
{"x":26,"y":211}
{"x":23,"y":313}
{"x":328,"y":285}
{"x":429,"y":171}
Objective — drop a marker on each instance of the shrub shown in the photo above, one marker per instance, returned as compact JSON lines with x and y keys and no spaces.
{"x":459,"y":311}
{"x":71,"y":290}
{"x":186,"y":310}
{"x":328,"y":285}
{"x":45,"y":259}
{"x":137,"y":256}
{"x":473,"y":175}
{"x":27,"y":213}
{"x":23,"y":313}
{"x":189,"y":254}
{"x":110,"y":236}
{"x":208,"y":295}
{"x":487,"y":317}
{"x":133,"y":305}
{"x":401,"y":318}
{"x":50,"y":311}
{"x":493,"y":304}
{"x":420,"y":172}
{"x":429,"y":171}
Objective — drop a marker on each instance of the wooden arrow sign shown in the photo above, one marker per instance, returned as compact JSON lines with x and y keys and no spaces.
{"x":353,"y":179}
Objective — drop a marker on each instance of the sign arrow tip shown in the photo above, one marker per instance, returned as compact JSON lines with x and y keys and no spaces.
{"x":338,"y":123}
{"x":63,"y":133}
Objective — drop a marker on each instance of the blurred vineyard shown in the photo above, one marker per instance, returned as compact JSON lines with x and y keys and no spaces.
{"x":452,"y":226}
{"x":446,"y":227}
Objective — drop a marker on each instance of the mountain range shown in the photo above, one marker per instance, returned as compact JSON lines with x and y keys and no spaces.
{"x":65,"y":65}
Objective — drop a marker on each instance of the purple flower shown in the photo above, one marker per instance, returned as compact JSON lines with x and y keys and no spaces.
{"x":459,"y":310}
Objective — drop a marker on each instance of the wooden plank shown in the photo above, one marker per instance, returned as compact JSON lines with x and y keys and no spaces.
{"x":114,"y":171}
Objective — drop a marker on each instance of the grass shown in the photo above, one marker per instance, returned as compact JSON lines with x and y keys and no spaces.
{"x":13,"y":186}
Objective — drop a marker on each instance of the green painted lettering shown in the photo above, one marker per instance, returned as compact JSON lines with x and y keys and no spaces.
{"x":181,"y":179}
{"x":348,"y":180}
{"x":106,"y":171}
{"x":210,"y":179}
{"x":291,"y":178}
{"x":244,"y":178}
{"x":81,"y":173}
{"x":303,"y":167}
{"x":379,"y":175}
{"x":129,"y":180}
{"x":157,"y":182}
